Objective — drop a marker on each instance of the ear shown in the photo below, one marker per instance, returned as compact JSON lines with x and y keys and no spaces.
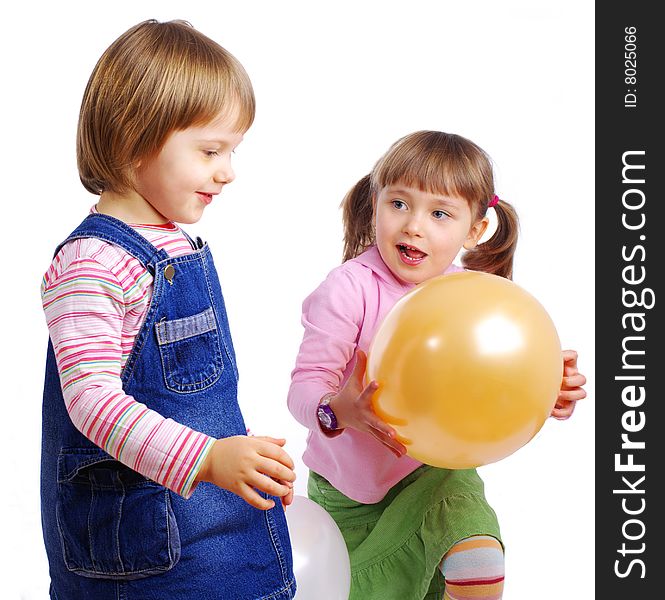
{"x":475,"y":233}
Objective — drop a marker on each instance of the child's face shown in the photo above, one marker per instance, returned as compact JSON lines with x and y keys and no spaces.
{"x":419,"y":234}
{"x":191,"y":168}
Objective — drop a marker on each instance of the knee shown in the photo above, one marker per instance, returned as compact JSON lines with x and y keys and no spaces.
{"x":475,"y":558}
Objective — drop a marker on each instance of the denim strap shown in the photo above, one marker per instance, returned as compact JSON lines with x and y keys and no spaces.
{"x":117,"y":232}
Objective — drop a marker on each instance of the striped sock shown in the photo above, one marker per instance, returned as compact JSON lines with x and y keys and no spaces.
{"x":474,"y":569}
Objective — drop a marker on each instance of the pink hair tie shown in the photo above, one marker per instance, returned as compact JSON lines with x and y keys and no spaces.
{"x":493,"y":202}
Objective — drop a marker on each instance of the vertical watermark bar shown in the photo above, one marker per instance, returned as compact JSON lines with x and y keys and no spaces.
{"x":630,"y":421}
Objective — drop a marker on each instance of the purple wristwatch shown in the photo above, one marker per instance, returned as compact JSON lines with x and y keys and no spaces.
{"x":327,"y":418}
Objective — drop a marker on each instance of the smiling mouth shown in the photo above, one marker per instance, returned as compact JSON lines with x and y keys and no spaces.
{"x":410,"y":254}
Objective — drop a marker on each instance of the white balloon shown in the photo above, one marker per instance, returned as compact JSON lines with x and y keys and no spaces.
{"x":320,"y":559}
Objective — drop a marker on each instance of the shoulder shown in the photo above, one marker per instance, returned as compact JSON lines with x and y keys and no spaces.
{"x":350,"y":280}
{"x":341,"y":296}
{"x":92,"y":259}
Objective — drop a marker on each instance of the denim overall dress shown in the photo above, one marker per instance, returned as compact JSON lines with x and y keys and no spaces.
{"x":111,"y":533}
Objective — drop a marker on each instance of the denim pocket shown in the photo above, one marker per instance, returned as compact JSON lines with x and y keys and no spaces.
{"x":113,"y":522}
{"x":190,"y":351}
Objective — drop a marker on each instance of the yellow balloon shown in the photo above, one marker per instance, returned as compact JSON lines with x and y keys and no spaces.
{"x":469,"y":367}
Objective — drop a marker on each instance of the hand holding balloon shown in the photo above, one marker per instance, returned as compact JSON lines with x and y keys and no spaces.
{"x":571,"y":387}
{"x":353,"y":408}
{"x":470,"y":368}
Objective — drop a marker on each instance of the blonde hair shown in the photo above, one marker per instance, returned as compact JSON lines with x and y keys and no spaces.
{"x":156,"y":78}
{"x":438,"y":163}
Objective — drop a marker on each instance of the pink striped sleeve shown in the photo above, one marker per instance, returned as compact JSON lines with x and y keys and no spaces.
{"x":94,"y":298}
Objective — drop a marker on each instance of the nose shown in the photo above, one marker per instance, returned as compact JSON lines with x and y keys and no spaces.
{"x":224,"y":171}
{"x":412,"y":225}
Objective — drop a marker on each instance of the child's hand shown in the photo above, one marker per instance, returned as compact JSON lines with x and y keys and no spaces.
{"x":241,"y":463}
{"x":352,"y":406}
{"x":571,"y":387}
{"x":288,"y":499}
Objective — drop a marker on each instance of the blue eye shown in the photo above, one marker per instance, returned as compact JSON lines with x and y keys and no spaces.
{"x":398,"y":204}
{"x":439,"y":214}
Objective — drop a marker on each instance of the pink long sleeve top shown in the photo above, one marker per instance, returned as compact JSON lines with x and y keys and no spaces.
{"x":340,"y":317}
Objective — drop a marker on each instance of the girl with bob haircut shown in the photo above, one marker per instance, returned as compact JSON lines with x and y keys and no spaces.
{"x":150,"y":485}
{"x":413,"y":531}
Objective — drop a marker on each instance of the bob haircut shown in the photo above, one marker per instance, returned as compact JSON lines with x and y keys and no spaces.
{"x":156,"y":78}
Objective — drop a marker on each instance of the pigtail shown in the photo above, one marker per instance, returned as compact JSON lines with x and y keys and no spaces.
{"x":496,"y":254}
{"x":357,"y":217}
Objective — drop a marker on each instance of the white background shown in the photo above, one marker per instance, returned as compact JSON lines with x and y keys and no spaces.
{"x":336,"y":84}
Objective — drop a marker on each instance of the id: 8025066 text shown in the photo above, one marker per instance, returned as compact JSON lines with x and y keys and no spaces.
{"x":630,"y":67}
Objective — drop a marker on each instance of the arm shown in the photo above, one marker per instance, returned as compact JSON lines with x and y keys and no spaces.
{"x":571,"y":387}
{"x":332,"y":318}
{"x":86,"y":308}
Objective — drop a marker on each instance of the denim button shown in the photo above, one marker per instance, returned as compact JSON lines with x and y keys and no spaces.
{"x":169,"y":273}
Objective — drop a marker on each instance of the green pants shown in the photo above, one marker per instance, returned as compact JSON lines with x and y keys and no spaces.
{"x":397,"y":544}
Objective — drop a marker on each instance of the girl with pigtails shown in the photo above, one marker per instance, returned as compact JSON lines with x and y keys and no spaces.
{"x":413,"y":531}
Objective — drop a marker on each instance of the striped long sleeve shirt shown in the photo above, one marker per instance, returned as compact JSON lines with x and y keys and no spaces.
{"x":95,"y":298}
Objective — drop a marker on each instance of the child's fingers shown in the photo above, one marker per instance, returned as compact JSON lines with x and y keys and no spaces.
{"x":574,"y":381}
{"x":361,"y":365}
{"x":570,"y":369}
{"x":268,"y":485}
{"x":275,"y":451}
{"x":272,"y":440}
{"x":571,"y":395}
{"x":397,"y":448}
{"x":570,"y":357}
{"x":376,"y":423}
{"x":276,"y":469}
{"x":384,"y":433}
{"x":368,"y":391}
{"x":288,"y":499}
{"x":249,"y":495}
{"x":563,"y":411}
{"x":361,"y":361}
